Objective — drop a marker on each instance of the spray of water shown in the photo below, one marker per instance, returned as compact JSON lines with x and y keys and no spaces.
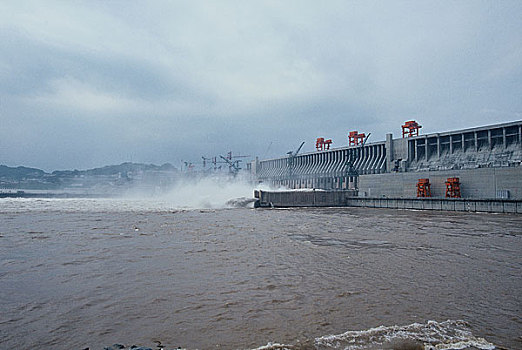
{"x":206,"y":192}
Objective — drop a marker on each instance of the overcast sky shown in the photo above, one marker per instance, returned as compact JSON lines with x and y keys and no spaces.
{"x":91,"y":83}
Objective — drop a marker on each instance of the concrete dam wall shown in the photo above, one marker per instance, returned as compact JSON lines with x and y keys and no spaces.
{"x":502,"y":182}
{"x":347,"y":198}
{"x":487,"y":160}
{"x":310,"y":198}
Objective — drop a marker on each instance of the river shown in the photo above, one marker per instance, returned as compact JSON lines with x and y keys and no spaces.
{"x":78,"y":273}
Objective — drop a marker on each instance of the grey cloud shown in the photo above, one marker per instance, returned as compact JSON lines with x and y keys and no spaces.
{"x":99,"y":83}
{"x":31,"y":66}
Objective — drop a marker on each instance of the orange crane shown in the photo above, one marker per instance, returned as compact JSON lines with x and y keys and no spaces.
{"x":322,"y":145}
{"x":410,"y":128}
{"x":354,"y":138}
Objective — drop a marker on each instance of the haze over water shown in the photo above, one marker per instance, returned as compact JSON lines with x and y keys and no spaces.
{"x":90,"y":273}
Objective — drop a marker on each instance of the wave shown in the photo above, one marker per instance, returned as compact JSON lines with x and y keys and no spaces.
{"x":447,"y":335}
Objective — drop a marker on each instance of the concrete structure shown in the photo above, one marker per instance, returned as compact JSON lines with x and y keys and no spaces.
{"x":486,"y":159}
{"x":348,"y":198}
{"x":308,"y":198}
{"x":449,"y":204}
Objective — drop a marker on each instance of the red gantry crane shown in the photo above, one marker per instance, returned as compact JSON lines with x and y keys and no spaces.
{"x":355,"y":139}
{"x":322,"y":145}
{"x":410,"y":128}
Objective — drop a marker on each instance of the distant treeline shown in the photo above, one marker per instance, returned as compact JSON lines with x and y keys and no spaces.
{"x":111,"y":176}
{"x":23,"y":173}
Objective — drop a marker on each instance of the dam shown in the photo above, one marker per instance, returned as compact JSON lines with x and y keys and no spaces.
{"x":485,"y":161}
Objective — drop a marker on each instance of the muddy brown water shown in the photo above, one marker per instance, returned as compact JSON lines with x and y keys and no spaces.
{"x":90,"y":273}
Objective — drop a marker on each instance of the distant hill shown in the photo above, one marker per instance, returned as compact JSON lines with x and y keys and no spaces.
{"x":24,"y":173}
{"x":129,"y":167}
{"x":20,"y":172}
{"x":116,"y":169}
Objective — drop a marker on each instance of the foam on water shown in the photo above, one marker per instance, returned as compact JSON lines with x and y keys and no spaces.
{"x":447,"y":335}
{"x":274,"y":346}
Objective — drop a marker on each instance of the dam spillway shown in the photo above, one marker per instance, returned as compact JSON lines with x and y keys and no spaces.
{"x":486,"y":159}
